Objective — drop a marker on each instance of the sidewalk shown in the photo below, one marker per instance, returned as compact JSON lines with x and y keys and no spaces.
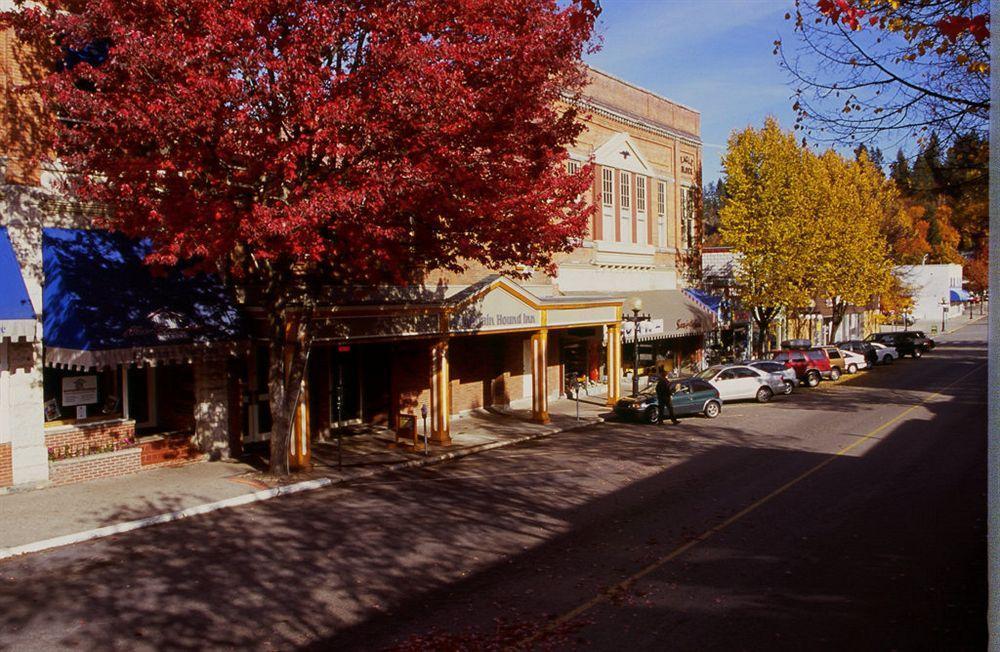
{"x":67,"y":514}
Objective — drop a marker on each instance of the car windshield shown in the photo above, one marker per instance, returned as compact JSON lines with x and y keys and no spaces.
{"x":708,"y":374}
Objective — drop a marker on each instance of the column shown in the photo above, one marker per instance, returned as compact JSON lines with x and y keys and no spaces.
{"x":540,"y":377}
{"x":440,"y":394}
{"x":211,"y":407}
{"x":614,"y":362}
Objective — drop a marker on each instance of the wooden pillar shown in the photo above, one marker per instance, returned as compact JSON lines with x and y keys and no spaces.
{"x":540,"y":376}
{"x":300,"y":453}
{"x":614,"y":363}
{"x":440,"y":394}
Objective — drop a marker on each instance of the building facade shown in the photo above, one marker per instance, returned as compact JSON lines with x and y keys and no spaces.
{"x":936,"y":290}
{"x":106,"y":368}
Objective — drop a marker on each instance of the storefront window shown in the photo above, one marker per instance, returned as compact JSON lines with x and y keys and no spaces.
{"x":73,"y":396}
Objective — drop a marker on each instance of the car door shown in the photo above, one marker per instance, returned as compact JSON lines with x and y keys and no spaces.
{"x":748,"y":382}
{"x":727,"y":384}
{"x":682,"y":398}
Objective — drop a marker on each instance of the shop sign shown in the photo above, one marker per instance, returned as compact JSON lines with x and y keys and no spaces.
{"x":496,"y":310}
{"x":691,"y":324}
{"x":649,"y":327}
{"x":79,"y":390}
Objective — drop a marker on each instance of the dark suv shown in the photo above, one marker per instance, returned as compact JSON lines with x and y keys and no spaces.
{"x":911,"y":343}
{"x":810,"y":365}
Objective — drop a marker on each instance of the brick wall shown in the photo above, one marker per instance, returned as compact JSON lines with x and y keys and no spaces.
{"x":96,"y":434}
{"x":23,"y":123}
{"x":94,"y":467}
{"x":6,"y":468}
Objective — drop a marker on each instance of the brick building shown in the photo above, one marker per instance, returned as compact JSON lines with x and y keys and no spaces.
{"x":113,"y":370}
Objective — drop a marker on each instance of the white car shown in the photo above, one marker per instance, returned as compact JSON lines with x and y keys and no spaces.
{"x":853,"y":361}
{"x":886,"y":354}
{"x":737,"y":382}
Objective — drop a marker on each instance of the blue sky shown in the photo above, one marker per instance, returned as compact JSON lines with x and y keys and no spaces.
{"x":713,"y":55}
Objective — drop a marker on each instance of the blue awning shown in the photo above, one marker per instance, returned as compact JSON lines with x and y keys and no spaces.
{"x":960,"y":295}
{"x":17,"y":317}
{"x":710,"y":301}
{"x":103,"y":306}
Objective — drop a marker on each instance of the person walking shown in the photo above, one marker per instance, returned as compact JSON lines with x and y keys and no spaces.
{"x":664,"y":399}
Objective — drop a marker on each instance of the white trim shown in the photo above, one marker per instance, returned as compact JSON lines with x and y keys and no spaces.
{"x":621,"y":152}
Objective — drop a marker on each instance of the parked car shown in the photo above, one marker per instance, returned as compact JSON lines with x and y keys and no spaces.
{"x":854,"y":362}
{"x":886,"y":354}
{"x":867,"y":349}
{"x":810,"y":365}
{"x":736,"y":382}
{"x":920,"y":340}
{"x":690,"y":396}
{"x":836,"y":358}
{"x":772,"y":366}
{"x":904,"y":345}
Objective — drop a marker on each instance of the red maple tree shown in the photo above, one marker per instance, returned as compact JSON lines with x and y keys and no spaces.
{"x":301,"y":145}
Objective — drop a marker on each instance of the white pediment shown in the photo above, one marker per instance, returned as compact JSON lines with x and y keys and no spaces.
{"x":620,"y":152}
{"x":502,"y":307}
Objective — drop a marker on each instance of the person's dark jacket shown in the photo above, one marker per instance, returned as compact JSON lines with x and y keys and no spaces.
{"x":662,"y":391}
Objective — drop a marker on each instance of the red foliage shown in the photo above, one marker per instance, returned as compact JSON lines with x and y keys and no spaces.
{"x":841,"y":11}
{"x":953,"y":26}
{"x":371,"y":139}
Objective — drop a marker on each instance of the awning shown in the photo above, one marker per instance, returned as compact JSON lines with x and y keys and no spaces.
{"x":672,"y":314}
{"x":709,"y":302}
{"x":959,"y":295}
{"x":17,"y":317}
{"x":103,"y":306}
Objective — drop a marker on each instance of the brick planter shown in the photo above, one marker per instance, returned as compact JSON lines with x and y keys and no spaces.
{"x":6,"y":468}
{"x":93,"y":467}
{"x":89,"y":434}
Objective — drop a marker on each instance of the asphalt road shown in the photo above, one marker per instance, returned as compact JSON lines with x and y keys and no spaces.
{"x":852,"y":516}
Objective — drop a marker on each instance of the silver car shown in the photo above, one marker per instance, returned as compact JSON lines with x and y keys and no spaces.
{"x":738,"y":382}
{"x":788,"y":377}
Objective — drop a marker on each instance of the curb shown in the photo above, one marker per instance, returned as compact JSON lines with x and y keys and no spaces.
{"x":267,"y":494}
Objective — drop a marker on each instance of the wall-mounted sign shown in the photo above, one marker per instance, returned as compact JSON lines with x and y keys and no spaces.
{"x":79,"y":390}
{"x":650,"y":327}
{"x":687,"y":164}
{"x":496,"y":310}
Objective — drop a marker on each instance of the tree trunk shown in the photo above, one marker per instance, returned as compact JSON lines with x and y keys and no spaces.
{"x":763,"y":317}
{"x":291,"y":341}
{"x":837,"y":317}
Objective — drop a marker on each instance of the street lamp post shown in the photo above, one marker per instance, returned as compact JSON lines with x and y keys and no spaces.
{"x":944,"y":312}
{"x":634,"y":320}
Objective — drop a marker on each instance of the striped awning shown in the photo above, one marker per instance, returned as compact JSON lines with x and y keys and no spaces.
{"x":672,"y":313}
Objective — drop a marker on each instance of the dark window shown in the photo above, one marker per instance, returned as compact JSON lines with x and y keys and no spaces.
{"x":728,"y":374}
{"x":700,"y":385}
{"x":745,"y":373}
{"x":815,"y":355}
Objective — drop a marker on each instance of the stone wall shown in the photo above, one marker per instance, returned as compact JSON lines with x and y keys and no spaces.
{"x":211,"y":407}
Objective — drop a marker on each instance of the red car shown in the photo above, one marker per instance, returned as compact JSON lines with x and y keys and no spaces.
{"x":810,"y":365}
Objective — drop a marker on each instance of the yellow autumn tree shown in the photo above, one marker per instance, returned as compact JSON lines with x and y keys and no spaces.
{"x":764,"y":219}
{"x":849,"y":259}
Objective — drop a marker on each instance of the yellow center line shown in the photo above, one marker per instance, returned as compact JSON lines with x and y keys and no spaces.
{"x":607,"y":594}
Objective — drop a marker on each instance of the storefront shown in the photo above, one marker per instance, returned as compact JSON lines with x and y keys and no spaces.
{"x":136,"y":360}
{"x":672,"y":340}
{"x":493,"y":344}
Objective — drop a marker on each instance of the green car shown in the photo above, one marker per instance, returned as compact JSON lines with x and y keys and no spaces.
{"x":690,"y":396}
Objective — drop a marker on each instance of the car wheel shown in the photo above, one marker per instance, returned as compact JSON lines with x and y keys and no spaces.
{"x":712,"y":409}
{"x":835,"y":373}
{"x":651,"y":415}
{"x":852,"y":369}
{"x":887,"y":359}
{"x":764,"y":394}
{"x":789,"y":387}
{"x":812,"y":378}
{"x":917,"y":353}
